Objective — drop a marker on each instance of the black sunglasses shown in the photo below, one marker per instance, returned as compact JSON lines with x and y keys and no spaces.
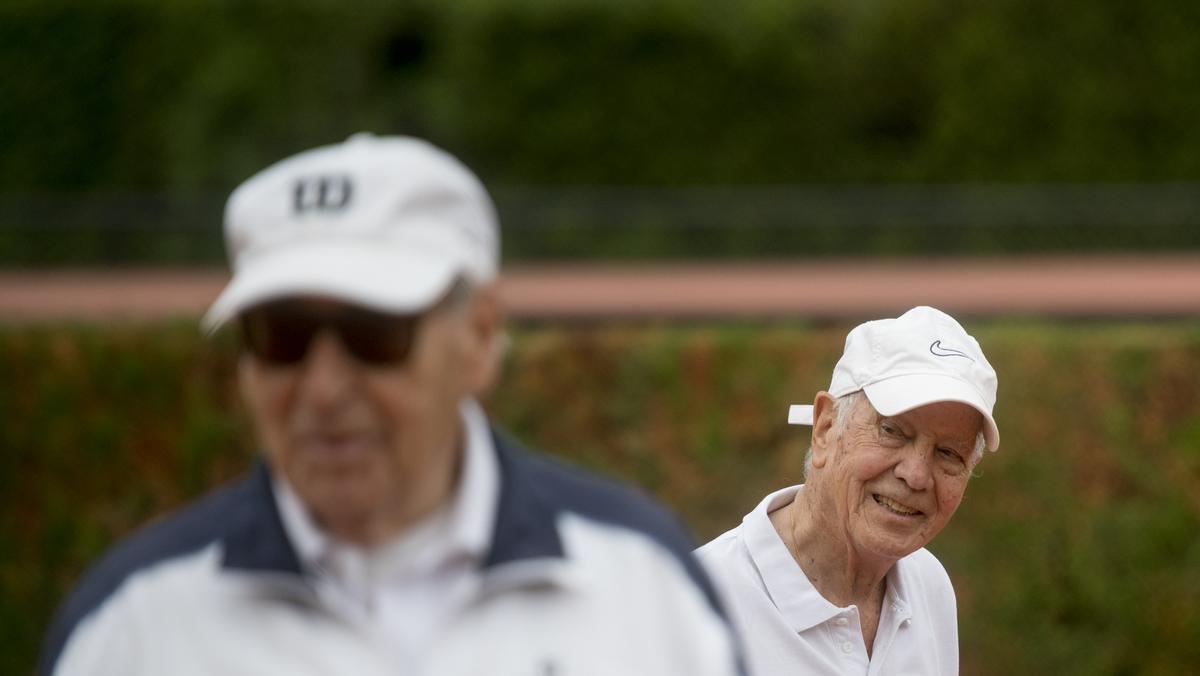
{"x":280,"y":332}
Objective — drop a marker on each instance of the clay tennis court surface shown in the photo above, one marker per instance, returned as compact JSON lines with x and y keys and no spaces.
{"x":1160,"y":286}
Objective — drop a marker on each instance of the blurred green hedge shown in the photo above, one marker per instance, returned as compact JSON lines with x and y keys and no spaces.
{"x":1074,"y":552}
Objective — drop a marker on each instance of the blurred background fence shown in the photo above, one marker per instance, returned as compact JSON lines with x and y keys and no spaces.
{"x":662,"y":223}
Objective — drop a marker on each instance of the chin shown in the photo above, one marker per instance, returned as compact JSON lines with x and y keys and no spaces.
{"x":891,"y":549}
{"x":350,"y":487}
{"x":344,"y":490}
{"x":336,"y":508}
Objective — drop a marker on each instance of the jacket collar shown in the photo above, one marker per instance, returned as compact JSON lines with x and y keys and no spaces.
{"x":255,"y":540}
{"x":525,"y":528}
{"x":526,"y":519}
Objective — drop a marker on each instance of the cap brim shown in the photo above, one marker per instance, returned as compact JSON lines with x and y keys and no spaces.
{"x":904,"y":393}
{"x":800,"y":414}
{"x":378,"y":278}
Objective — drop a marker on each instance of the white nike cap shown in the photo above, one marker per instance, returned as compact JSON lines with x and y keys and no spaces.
{"x":383,"y":222}
{"x":921,"y":357}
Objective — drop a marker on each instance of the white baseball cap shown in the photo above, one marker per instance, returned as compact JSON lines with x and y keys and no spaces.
{"x":383,"y":222}
{"x":921,"y":357}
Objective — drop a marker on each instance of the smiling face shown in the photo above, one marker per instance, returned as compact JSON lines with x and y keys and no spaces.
{"x":370,"y":448}
{"x":893,"y":482}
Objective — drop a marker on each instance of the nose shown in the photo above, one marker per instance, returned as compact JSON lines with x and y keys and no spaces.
{"x":328,"y":373}
{"x":914,"y":467}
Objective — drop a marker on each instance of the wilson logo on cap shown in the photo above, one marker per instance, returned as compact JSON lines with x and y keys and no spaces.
{"x":322,"y":193}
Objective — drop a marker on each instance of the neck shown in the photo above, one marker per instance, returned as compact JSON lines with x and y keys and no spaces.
{"x":823,"y":551}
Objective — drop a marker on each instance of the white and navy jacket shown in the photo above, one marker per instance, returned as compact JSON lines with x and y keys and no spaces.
{"x":583,"y":578}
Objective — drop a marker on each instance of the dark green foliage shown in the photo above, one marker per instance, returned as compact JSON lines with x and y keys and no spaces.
{"x":1077,"y":543}
{"x":127,"y":93}
{"x":180,"y":101}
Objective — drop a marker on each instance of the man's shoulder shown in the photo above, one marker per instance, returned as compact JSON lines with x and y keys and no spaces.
{"x":922,"y":570}
{"x":538,"y":492}
{"x":727,"y":561}
{"x":550,"y":507}
{"x":178,"y":534}
{"x":924,"y":564}
{"x":723,"y":546}
{"x":738,"y":547}
{"x":563,"y":487}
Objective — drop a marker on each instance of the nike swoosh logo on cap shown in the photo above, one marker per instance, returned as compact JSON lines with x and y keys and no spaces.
{"x":936,"y":349}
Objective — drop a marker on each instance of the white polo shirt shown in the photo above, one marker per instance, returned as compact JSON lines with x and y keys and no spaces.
{"x":787,"y":627}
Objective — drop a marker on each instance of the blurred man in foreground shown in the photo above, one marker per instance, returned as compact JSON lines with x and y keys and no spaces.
{"x":831,"y":577}
{"x":387,"y":528}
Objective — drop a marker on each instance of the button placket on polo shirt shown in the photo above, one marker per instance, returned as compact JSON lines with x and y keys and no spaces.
{"x":846,"y":633}
{"x":897,"y":617}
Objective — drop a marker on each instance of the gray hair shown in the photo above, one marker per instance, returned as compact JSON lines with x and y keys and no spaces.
{"x":843,"y":405}
{"x":460,"y":289}
{"x":457,"y":297}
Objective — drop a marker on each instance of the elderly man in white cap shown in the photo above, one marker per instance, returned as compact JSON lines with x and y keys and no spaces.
{"x":831,"y":577}
{"x":387,"y":528}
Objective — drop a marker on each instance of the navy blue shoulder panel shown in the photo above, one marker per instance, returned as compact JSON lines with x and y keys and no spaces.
{"x":219,"y":515}
{"x":536,"y":489}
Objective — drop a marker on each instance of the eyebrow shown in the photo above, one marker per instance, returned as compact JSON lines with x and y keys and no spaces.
{"x":907,"y":425}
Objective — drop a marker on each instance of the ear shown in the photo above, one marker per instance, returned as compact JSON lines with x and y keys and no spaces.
{"x":251,"y":388}
{"x":485,"y":325}
{"x":825,"y":432}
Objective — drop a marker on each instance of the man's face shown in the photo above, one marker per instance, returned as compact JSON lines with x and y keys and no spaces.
{"x":369,"y":448}
{"x":895,"y":481}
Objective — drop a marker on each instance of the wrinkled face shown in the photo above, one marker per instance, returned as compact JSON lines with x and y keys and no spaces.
{"x":895,"y":481}
{"x":368,"y":447}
